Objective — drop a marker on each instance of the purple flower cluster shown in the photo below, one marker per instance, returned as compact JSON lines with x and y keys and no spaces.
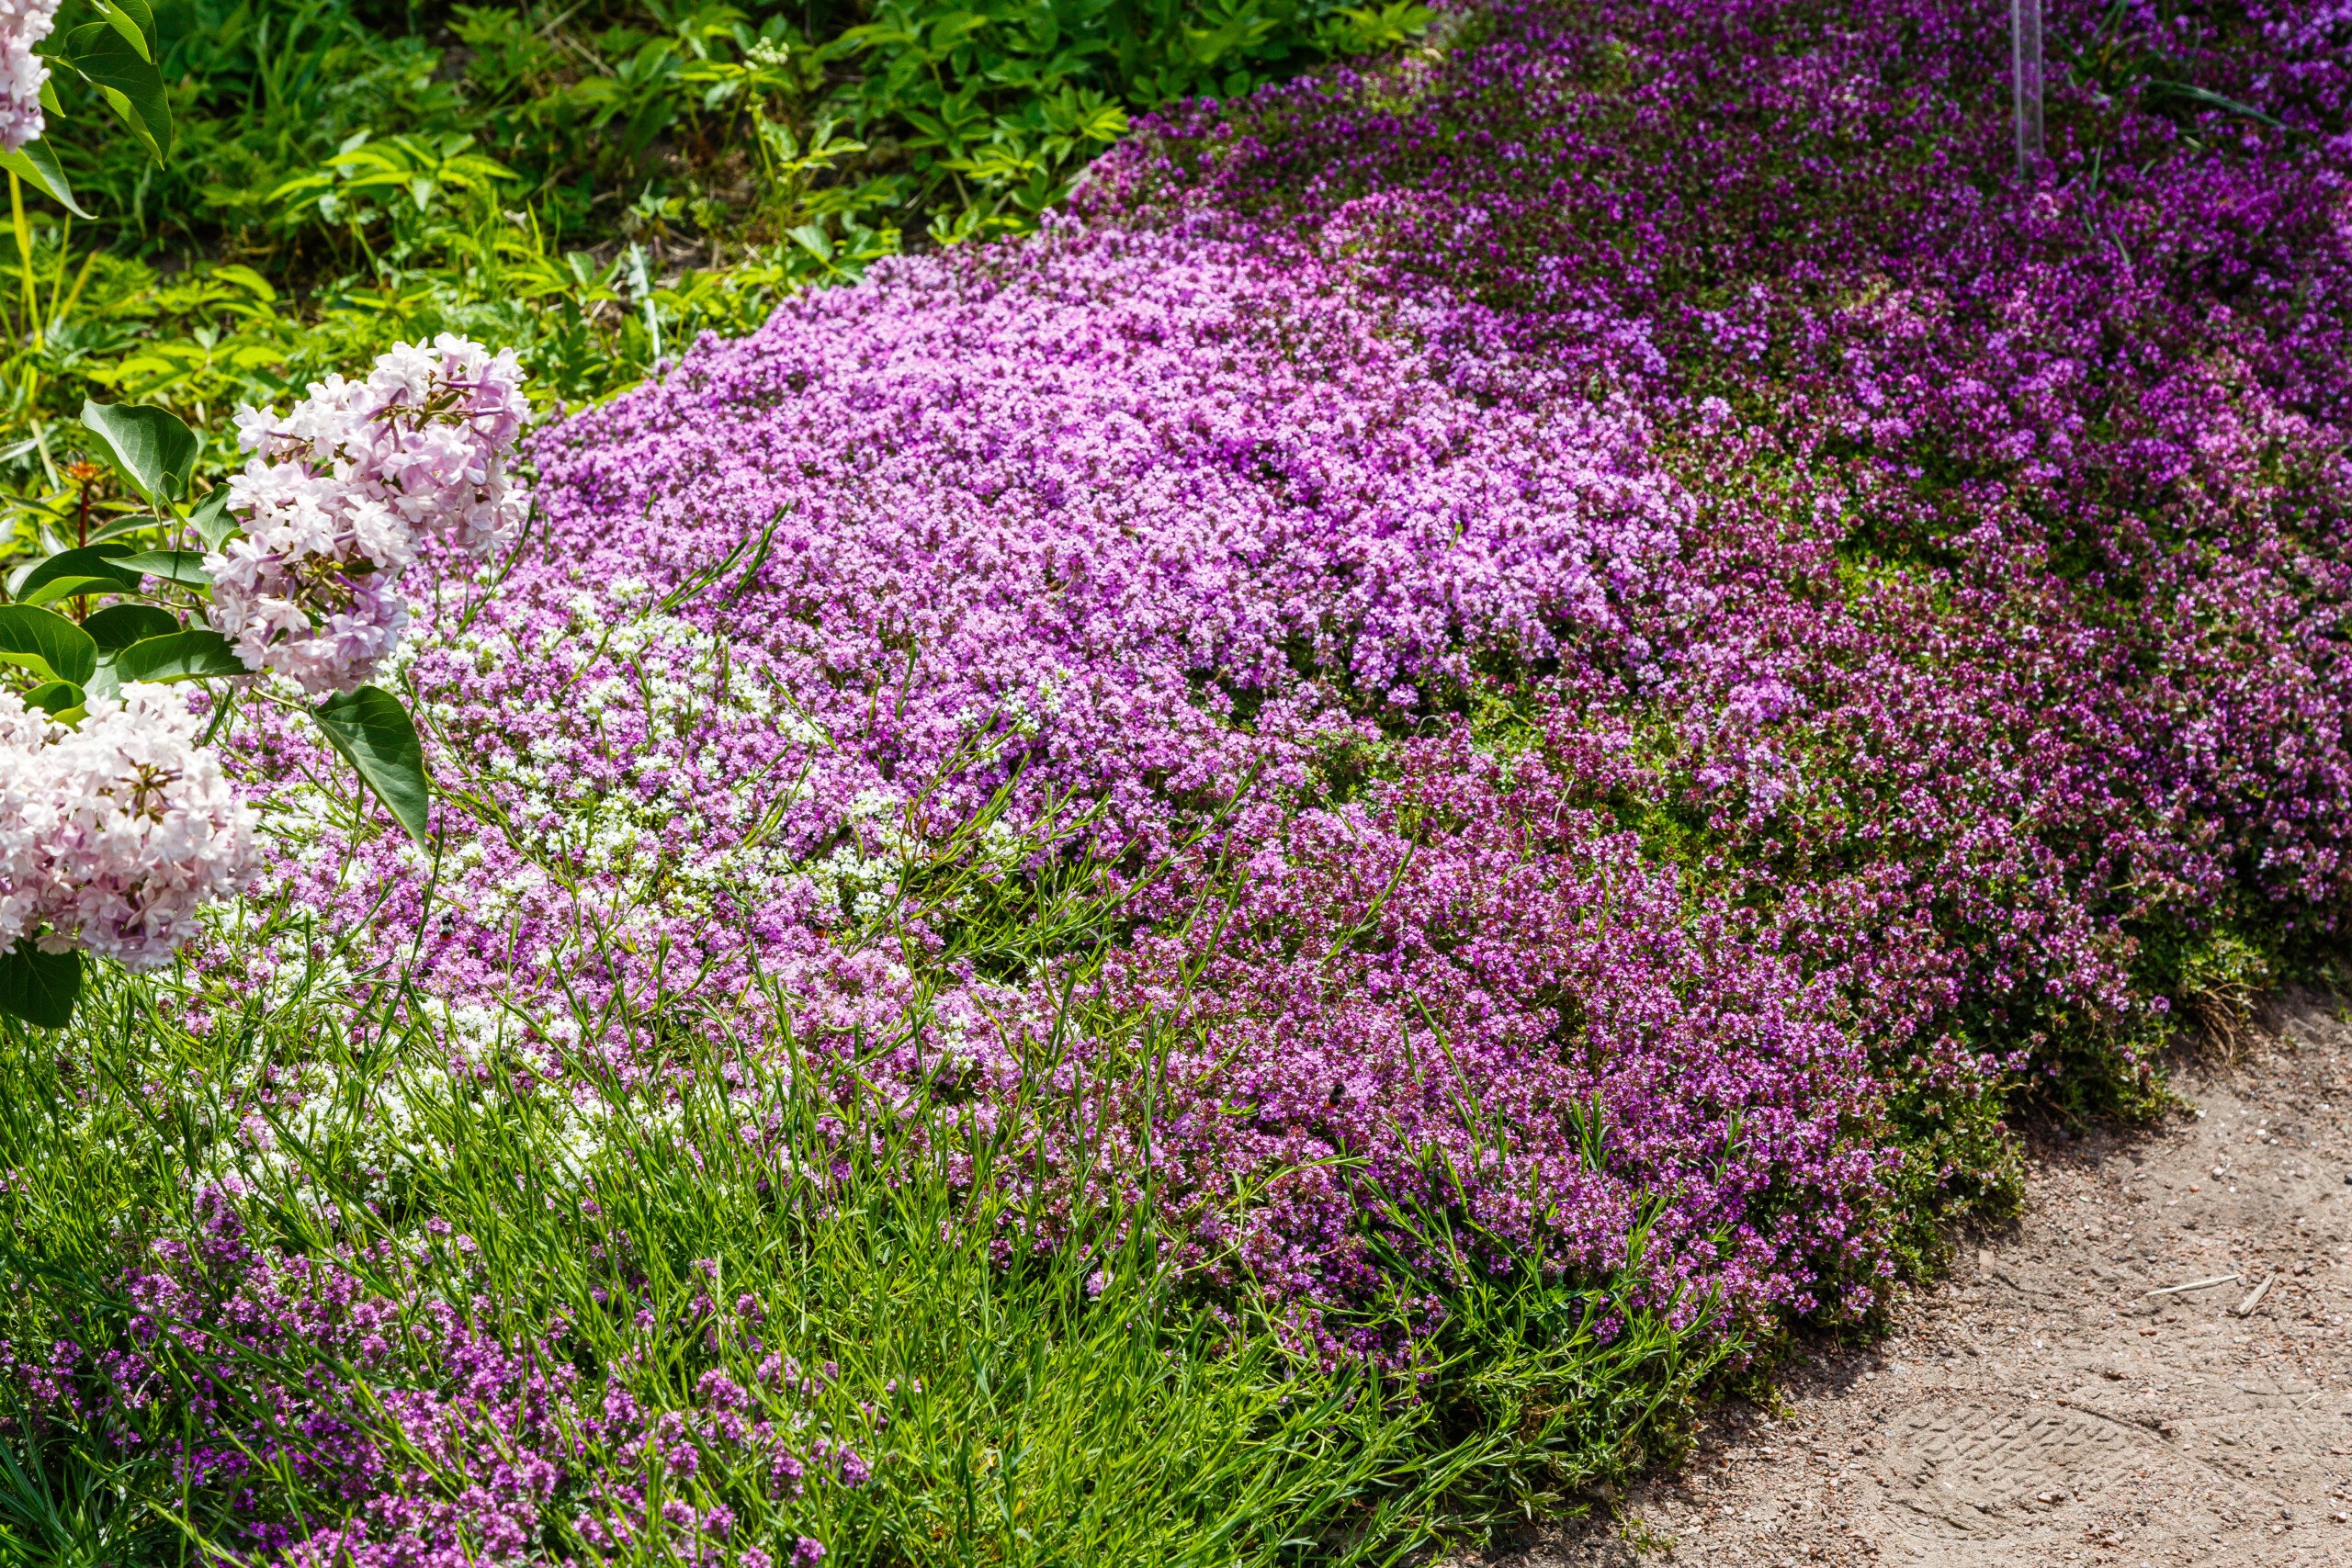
{"x":1946,"y":596}
{"x":1680,"y":614}
{"x":1521,"y":1018}
{"x":437,"y":1441}
{"x":2022,"y":509}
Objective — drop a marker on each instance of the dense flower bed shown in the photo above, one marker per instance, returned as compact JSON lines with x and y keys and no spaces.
{"x":1694,"y":629}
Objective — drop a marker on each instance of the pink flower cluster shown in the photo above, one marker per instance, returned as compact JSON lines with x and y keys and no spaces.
{"x":115,"y":833}
{"x":23,"y":24}
{"x":1155,"y":517}
{"x":453,"y":1447}
{"x":343,"y":490}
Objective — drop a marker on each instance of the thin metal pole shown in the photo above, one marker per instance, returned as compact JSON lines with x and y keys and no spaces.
{"x":2025,"y":80}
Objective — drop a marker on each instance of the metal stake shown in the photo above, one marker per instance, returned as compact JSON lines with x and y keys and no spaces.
{"x":2025,"y":80}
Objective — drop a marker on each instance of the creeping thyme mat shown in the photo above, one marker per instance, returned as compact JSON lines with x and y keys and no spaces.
{"x":1248,"y":879}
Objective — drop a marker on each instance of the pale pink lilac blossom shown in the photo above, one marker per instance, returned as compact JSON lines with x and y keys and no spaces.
{"x":24,"y":732}
{"x":23,"y":24}
{"x":341,"y":492}
{"x":119,"y":831}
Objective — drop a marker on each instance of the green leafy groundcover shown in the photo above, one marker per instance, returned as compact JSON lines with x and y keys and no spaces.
{"x":1247,"y":881}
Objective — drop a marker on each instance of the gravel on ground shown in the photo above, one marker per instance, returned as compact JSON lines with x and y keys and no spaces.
{"x":2151,"y":1365}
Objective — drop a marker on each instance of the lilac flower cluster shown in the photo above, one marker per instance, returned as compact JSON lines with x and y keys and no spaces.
{"x":1683,"y":616}
{"x":340,"y":493}
{"x":114,"y":834}
{"x":23,"y":23}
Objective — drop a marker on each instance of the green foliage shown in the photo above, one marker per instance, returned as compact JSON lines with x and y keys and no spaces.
{"x":989,"y":105}
{"x":592,"y":184}
{"x":39,"y":987}
{"x":46,"y":643}
{"x":154,"y":452}
{"x":375,"y":735}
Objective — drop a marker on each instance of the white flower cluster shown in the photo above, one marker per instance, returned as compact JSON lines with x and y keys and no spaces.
{"x":113,"y":834}
{"x":23,"y":23}
{"x":341,"y":489}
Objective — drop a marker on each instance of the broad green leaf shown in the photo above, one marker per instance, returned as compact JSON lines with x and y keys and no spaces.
{"x":118,"y":532}
{"x":212,"y":520}
{"x":36,"y":165}
{"x":90,"y":560}
{"x":116,"y":626}
{"x":195,"y":654}
{"x":133,"y":86}
{"x":39,"y":987}
{"x":58,"y":588}
{"x":46,"y":643}
{"x":133,"y":20}
{"x":55,"y":698}
{"x":369,"y":727}
{"x":151,"y":447}
{"x":182,"y":567}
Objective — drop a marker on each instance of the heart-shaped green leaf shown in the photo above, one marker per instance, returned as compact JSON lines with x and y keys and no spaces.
{"x":212,"y":520}
{"x":152,"y":449}
{"x":370,"y":728}
{"x":39,"y":987}
{"x":195,"y":654}
{"x":55,"y":698}
{"x":116,"y":626}
{"x":58,"y":588}
{"x":46,"y":643}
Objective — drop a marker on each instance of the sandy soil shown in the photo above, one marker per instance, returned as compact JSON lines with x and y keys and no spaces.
{"x":2044,"y":1404}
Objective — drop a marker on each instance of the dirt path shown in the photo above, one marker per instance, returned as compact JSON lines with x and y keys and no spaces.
{"x":2041,"y":1405}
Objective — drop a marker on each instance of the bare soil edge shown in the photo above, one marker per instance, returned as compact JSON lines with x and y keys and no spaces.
{"x":2044,"y":1404}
